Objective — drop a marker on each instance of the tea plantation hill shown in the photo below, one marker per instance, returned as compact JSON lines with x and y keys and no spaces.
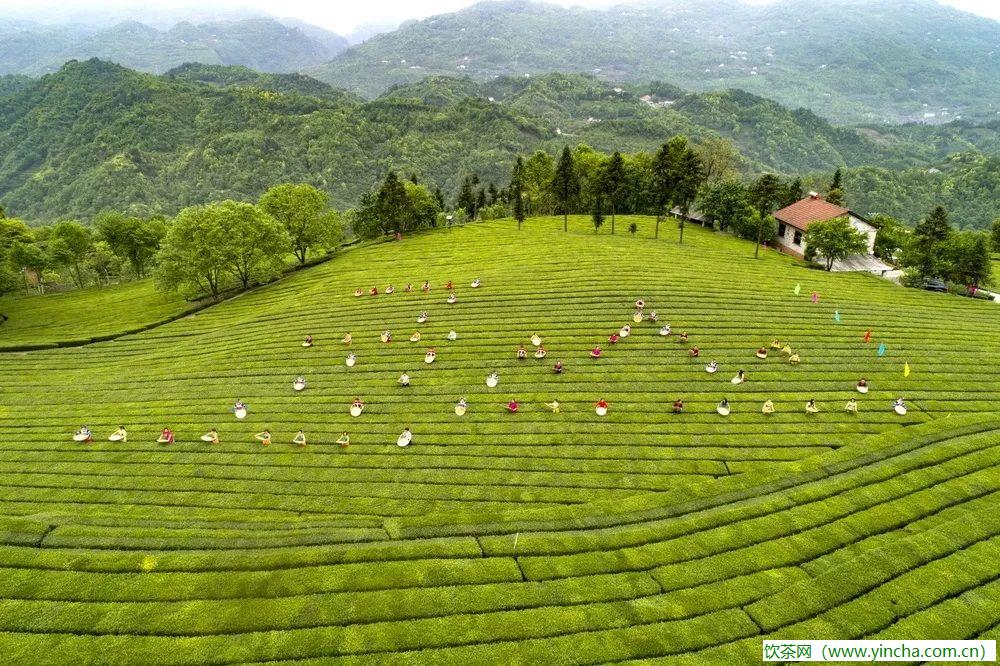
{"x":496,"y":537}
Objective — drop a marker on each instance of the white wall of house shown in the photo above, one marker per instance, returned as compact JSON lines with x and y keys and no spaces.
{"x":787,"y":237}
{"x":792,"y":240}
{"x":867,"y":229}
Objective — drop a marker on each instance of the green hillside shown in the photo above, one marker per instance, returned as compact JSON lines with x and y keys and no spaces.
{"x":847,"y":60}
{"x":82,"y":315}
{"x":508,"y":538}
{"x":96,"y":136}
{"x":260,"y":43}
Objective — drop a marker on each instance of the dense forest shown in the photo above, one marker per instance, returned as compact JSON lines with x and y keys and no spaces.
{"x":851,"y":61}
{"x":96,"y":136}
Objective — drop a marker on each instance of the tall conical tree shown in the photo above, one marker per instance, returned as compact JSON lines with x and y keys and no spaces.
{"x":691,"y":177}
{"x":565,"y":185}
{"x":516,"y":190}
{"x":929,"y":236}
{"x":765,"y":195}
{"x":835,"y":194}
{"x":613,"y":184}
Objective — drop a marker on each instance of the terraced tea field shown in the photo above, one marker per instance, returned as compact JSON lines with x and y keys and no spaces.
{"x":497,"y":537}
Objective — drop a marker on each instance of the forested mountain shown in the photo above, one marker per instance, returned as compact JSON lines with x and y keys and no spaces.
{"x":848,"y":60}
{"x":261,"y":43}
{"x":97,"y":136}
{"x":290,"y":84}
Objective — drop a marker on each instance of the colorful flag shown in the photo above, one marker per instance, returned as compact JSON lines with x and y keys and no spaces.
{"x":868,"y":336}
{"x":906,"y":369}
{"x":881,"y":349}
{"x":836,"y":316}
{"x":797,"y":289}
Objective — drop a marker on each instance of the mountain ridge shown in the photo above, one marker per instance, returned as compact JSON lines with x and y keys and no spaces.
{"x":878,"y":62}
{"x":98,"y":136}
{"x":264,"y":44}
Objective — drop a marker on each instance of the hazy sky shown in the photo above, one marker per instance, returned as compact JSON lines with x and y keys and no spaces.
{"x":341,"y":16}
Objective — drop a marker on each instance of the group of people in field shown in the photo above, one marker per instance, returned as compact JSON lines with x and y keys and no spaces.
{"x":357,"y":407}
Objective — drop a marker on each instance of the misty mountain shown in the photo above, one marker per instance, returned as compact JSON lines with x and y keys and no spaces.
{"x":848,"y":60}
{"x":260,"y":43}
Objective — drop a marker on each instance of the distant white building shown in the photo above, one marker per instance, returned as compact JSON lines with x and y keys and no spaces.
{"x":794,"y":221}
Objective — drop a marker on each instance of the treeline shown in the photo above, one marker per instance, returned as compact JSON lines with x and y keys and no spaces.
{"x":203,"y":251}
{"x":37,"y":259}
{"x":934,"y":249}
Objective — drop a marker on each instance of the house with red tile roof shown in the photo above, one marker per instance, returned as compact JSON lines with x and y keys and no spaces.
{"x":794,"y":221}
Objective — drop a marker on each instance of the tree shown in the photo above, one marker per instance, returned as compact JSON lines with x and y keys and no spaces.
{"x":516,"y":190}
{"x":924,"y":252}
{"x":132,"y":239}
{"x":834,"y":240}
{"x":466,"y":199}
{"x":69,"y":246}
{"x":189,"y":260}
{"x":303,"y":211}
{"x":597,"y":215}
{"x":664,"y":175}
{"x":11,"y":232}
{"x":678,"y":173}
{"x":391,"y":203}
{"x":539,"y":173}
{"x":232,"y":239}
{"x":395,"y":206}
{"x":756,"y":227}
{"x":891,"y":238}
{"x":720,"y":157}
{"x":24,"y":257}
{"x":480,"y":201}
{"x":692,"y":177}
{"x":967,"y":255}
{"x":765,"y":195}
{"x":613,"y":184}
{"x":793,"y":192}
{"x":995,"y":235}
{"x":103,"y":263}
{"x":421,"y":209}
{"x":565,"y":185}
{"x":727,"y":204}
{"x":835,"y":193}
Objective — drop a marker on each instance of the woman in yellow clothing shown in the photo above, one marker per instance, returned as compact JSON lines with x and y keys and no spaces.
{"x":768,"y":407}
{"x":344,"y":440}
{"x":264,"y":436}
{"x":554,"y":406}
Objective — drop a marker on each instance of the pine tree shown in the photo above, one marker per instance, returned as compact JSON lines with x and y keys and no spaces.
{"x":565,"y":185}
{"x":613,"y":184}
{"x":597,"y":215}
{"x":516,"y":190}
{"x":466,"y":197}
{"x":929,"y":236}
{"x":835,"y":194}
